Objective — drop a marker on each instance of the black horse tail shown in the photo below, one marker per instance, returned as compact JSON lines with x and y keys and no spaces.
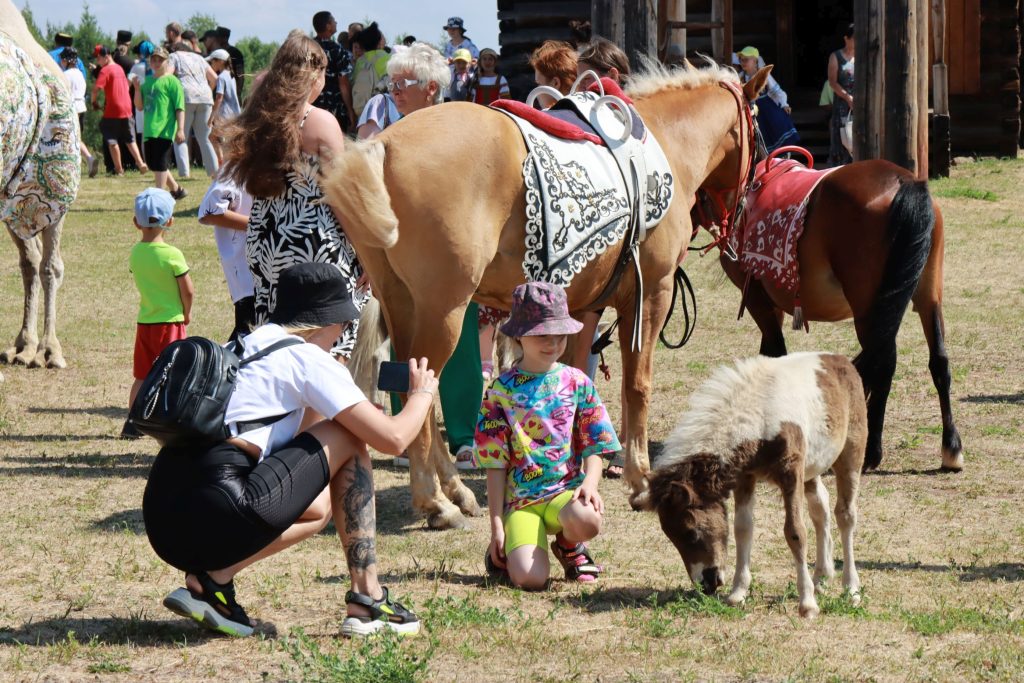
{"x":911,"y":220}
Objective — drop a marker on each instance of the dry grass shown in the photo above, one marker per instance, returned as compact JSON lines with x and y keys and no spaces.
{"x":940,"y":555}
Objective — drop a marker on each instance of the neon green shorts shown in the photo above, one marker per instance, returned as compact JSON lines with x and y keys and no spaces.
{"x":532,"y":524}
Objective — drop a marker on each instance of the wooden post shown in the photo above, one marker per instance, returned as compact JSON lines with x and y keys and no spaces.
{"x":784,"y":71}
{"x":606,"y":20}
{"x":721,"y":38}
{"x":869,"y":84}
{"x":677,"y":37}
{"x":940,"y":72}
{"x":900,"y":140}
{"x":640,"y":30}
{"x":922,"y":13}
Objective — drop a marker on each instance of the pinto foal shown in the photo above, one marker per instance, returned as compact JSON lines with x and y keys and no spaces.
{"x":785,"y":420}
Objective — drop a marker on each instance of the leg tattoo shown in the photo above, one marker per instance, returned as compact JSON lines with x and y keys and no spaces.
{"x":361,"y":553}
{"x":358,"y":499}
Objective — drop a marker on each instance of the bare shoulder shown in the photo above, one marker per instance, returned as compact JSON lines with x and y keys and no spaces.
{"x":321,"y":130}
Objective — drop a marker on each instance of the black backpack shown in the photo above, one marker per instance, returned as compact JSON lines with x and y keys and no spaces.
{"x":184,"y":397}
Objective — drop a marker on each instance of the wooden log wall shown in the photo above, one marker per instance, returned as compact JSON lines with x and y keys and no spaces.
{"x":984,"y":103}
{"x":524,"y":25}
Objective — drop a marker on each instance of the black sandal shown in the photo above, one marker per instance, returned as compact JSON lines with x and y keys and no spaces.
{"x":384,"y":614}
{"x":215,"y":608}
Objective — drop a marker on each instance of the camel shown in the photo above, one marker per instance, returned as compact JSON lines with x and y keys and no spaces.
{"x":41,"y":174}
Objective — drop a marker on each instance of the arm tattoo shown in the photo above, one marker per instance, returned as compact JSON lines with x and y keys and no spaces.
{"x":357,"y":501}
{"x":361,"y":553}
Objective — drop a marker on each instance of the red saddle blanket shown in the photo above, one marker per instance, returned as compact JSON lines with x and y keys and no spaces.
{"x":774,"y":221}
{"x":562,"y":123}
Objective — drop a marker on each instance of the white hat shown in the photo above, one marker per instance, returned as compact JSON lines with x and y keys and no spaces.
{"x":220,"y":54}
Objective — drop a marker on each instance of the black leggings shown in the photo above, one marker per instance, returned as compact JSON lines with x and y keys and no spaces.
{"x":213,"y":508}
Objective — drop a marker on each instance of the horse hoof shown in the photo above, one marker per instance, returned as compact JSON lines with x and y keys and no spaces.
{"x":855,"y":597}
{"x":640,"y":500}
{"x":809,"y":611}
{"x":952,"y":461}
{"x":734,"y":600}
{"x":449,"y":518}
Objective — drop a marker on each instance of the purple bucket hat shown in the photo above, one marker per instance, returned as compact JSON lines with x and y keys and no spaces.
{"x":539,"y":308}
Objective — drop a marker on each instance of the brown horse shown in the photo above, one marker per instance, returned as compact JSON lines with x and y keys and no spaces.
{"x":872,"y":243}
{"x":430,"y":243}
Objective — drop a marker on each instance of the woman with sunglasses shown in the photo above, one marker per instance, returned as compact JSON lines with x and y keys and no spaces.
{"x":417,"y":78}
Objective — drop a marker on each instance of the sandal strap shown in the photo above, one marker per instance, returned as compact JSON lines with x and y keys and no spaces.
{"x":365,"y":600}
{"x":221,"y":595}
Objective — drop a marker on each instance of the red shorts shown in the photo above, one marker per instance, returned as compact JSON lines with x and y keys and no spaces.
{"x":150,"y":340}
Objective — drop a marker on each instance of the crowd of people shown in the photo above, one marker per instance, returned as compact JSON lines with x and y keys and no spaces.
{"x":297,"y":456}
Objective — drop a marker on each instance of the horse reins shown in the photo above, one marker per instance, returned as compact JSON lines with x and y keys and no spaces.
{"x":745,"y":176}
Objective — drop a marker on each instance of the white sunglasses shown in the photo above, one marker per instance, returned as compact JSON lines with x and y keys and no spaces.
{"x":399,"y":86}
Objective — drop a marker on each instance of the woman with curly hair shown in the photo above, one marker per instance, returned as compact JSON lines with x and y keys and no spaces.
{"x":275,"y":149}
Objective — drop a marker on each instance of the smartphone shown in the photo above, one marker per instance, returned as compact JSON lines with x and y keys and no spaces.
{"x":393,"y":377}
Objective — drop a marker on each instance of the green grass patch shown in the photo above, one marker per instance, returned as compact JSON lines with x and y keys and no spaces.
{"x":383,"y":658}
{"x":958,"y":191}
{"x":842,"y":606}
{"x":457,"y":613}
{"x":948,"y":619}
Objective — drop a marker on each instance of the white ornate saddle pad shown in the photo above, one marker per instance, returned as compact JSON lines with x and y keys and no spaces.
{"x":577,"y":204}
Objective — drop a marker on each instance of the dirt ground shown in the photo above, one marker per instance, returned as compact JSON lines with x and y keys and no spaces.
{"x":940,"y":555}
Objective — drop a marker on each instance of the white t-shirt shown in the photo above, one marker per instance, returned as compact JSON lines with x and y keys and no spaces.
{"x":286,"y":381}
{"x":77,"y":82}
{"x":222,"y":196}
{"x":138,"y":76}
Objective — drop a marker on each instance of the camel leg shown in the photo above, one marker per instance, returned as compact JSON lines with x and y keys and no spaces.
{"x":743,"y":527}
{"x":847,"y":471}
{"x":796,"y":537}
{"x":29,"y":257}
{"x":637,"y":369}
{"x":50,"y":354}
{"x":817,"y":505}
{"x":930,"y":311}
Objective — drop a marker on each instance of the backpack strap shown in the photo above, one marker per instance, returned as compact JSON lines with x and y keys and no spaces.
{"x":251,"y":425}
{"x":276,"y":346}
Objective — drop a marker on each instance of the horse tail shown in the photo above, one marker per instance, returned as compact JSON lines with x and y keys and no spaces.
{"x":370,"y":349}
{"x":911,"y":220}
{"x":355,"y":187}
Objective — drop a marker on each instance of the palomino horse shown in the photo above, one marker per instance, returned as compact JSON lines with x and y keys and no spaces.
{"x":40,"y":176}
{"x":872,"y":243}
{"x":782,"y":420}
{"x":431,"y":246}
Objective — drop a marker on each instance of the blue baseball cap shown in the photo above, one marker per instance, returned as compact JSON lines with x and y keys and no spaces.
{"x":154,"y":208}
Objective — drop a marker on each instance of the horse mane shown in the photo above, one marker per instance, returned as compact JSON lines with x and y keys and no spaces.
{"x":655,"y":77}
{"x":707,"y":425}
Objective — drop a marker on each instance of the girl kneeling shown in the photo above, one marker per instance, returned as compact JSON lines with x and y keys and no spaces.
{"x":541,"y":436}
{"x":212,"y":511}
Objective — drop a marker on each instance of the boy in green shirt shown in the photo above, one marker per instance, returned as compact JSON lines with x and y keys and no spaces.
{"x":165,"y":288}
{"x":162,"y":99}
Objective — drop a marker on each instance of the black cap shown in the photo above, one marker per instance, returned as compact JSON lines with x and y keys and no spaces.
{"x":209,"y":34}
{"x":313,"y":294}
{"x":124,"y":37}
{"x":63,"y":40}
{"x":224,"y":33}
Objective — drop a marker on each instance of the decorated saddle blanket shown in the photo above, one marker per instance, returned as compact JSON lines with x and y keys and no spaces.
{"x":776,"y":207}
{"x":577,"y":203}
{"x":38,"y":144}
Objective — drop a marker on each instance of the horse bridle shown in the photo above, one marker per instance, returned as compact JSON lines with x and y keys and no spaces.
{"x":725,"y":217}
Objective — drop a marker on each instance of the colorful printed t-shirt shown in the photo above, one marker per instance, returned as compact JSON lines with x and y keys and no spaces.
{"x":162,"y":97}
{"x":541,"y":427}
{"x":156,"y":267}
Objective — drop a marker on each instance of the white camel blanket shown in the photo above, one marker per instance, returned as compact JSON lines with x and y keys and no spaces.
{"x":576,"y":201}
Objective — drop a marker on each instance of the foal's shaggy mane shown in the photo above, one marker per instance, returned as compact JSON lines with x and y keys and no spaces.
{"x":706,"y":427}
{"x":656,"y":77}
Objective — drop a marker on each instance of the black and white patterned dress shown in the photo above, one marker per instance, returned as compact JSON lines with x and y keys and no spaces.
{"x":299,"y":227}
